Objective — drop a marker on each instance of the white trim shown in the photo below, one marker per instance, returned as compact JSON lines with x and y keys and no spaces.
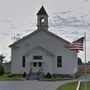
{"x":78,"y":86}
{"x":37,"y":61}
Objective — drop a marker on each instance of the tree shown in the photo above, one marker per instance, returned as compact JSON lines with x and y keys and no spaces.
{"x":1,"y":69}
{"x":79,"y":61}
{"x":1,"y":66}
{"x":1,"y":58}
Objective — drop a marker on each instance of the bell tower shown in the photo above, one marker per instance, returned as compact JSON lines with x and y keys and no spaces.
{"x":42,"y":19}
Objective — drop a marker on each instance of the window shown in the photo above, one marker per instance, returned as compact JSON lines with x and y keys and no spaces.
{"x":37,"y":57}
{"x":42,"y":20}
{"x":23,"y":61}
{"x":40,"y":64}
{"x":34,"y":64}
{"x":59,"y":61}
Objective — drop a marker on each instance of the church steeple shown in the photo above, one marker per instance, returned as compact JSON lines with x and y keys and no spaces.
{"x":42,"y":11}
{"x":42,"y":19}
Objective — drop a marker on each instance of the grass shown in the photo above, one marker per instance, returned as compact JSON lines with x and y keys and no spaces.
{"x":14,"y":78}
{"x":82,"y":86}
{"x":68,"y":86}
{"x":73,"y":85}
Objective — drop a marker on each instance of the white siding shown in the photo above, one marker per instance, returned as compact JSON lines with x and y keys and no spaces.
{"x":50,"y":43}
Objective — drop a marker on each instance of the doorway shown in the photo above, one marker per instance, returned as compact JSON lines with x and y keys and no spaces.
{"x":36,"y":66}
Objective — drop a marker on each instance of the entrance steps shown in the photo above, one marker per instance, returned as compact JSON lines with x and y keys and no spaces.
{"x":33,"y":76}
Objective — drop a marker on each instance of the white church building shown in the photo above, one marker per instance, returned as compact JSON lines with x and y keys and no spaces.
{"x":42,"y":50}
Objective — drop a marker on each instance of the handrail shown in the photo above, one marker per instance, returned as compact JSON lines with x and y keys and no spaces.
{"x":29,"y":73}
{"x":40,"y":73}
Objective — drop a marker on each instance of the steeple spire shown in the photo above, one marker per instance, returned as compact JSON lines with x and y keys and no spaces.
{"x":42,"y":11}
{"x":42,"y":19}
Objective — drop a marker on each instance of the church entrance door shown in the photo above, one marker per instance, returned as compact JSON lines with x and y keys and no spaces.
{"x":36,"y":67}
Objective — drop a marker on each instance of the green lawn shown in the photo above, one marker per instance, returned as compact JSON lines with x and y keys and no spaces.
{"x":82,"y":86}
{"x":6,"y":78}
{"x":69,"y":86}
{"x":72,"y":86}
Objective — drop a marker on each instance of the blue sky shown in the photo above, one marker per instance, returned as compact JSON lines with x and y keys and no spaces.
{"x":67,"y":18}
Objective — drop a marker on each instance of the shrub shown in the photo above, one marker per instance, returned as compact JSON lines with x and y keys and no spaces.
{"x":24,"y":75}
{"x":11,"y":75}
{"x":48,"y":75}
{"x":77,"y":75}
{"x":1,"y":70}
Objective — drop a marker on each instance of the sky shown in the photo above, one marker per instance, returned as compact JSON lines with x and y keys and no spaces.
{"x":67,"y":18}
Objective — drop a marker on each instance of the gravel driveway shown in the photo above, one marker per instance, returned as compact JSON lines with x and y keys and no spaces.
{"x":31,"y":85}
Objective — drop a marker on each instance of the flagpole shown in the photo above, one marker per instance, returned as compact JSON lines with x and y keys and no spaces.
{"x":85,"y":62}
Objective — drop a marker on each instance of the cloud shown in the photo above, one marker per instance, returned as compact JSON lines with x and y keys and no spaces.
{"x":13,"y":27}
{"x":65,"y":12}
{"x":83,"y":16}
{"x":6,"y":20}
{"x":86,"y":0}
{"x":70,"y":27}
{"x":6,"y":33}
{"x":60,"y":21}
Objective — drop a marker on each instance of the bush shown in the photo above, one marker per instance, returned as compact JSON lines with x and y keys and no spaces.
{"x":1,"y":70}
{"x":77,"y":75}
{"x":24,"y":75}
{"x":11,"y":75}
{"x":48,"y":75}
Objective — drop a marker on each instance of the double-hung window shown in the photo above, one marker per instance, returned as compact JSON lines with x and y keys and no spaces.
{"x":59,"y":61}
{"x":23,"y":61}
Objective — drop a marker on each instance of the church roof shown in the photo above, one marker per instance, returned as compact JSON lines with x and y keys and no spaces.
{"x":42,"y":11}
{"x":37,"y":31}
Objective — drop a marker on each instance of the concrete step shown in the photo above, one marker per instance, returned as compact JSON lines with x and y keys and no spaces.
{"x":33,"y":76}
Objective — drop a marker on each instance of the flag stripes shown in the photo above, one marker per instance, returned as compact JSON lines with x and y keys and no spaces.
{"x":77,"y":45}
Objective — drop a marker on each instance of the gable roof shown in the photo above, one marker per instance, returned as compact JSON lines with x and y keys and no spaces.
{"x":37,"y":31}
{"x":42,"y":11}
{"x":40,"y":48}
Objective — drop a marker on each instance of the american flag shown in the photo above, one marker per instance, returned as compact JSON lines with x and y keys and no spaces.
{"x":77,"y":45}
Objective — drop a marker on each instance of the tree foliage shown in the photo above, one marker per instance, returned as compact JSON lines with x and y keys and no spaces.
{"x":1,"y":69}
{"x":1,"y":66}
{"x":79,"y":61}
{"x":1,"y":58}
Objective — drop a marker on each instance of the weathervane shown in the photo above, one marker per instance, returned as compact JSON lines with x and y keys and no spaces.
{"x":16,"y":37}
